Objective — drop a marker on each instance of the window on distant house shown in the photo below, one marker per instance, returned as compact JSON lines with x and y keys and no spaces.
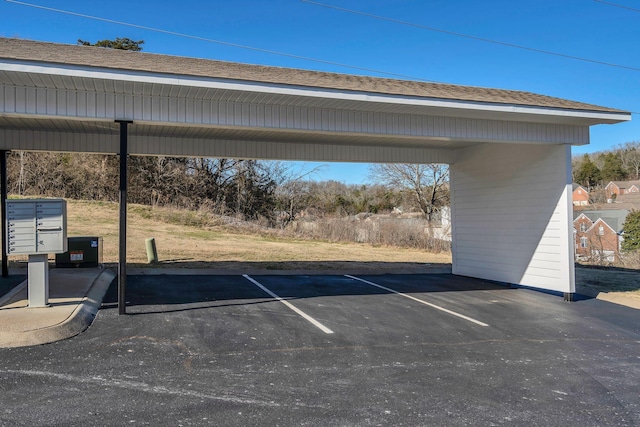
{"x":583,"y":227}
{"x":601,"y":230}
{"x":584,"y":242}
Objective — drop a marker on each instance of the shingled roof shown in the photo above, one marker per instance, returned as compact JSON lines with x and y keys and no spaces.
{"x":613,"y":218}
{"x":87,"y":56}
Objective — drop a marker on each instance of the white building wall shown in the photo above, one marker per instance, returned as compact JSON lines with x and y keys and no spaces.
{"x":511,"y":209}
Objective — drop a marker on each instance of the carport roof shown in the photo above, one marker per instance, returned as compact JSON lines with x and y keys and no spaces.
{"x":95,"y":57}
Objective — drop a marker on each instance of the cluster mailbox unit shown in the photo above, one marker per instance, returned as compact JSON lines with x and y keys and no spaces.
{"x":37,"y":227}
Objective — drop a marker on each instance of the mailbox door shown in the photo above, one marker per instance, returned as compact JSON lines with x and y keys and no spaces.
{"x":49,"y":242}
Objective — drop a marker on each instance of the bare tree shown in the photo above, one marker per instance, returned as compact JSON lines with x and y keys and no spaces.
{"x":427,"y":183}
{"x":292,"y":188}
{"x":630,"y":156}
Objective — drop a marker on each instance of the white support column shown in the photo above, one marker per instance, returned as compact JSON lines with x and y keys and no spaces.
{"x":38,"y":278}
{"x":511,"y":210}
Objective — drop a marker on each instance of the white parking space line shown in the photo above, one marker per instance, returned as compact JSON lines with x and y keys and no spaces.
{"x":310,"y":319}
{"x":437,"y":307}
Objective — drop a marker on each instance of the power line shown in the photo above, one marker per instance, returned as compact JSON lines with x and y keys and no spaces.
{"x":482,"y":39}
{"x":617,"y":5}
{"x":221,"y":42}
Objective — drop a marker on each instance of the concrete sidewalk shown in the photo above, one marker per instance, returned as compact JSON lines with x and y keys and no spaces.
{"x":75,"y":296}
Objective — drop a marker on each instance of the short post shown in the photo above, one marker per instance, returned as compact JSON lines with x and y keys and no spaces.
{"x":152,"y":252}
{"x":38,"y":278}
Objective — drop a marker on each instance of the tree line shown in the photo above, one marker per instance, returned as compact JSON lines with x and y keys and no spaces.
{"x":268,"y":191}
{"x":598,"y":169}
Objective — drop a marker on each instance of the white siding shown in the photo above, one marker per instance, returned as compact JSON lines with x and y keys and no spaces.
{"x":511,"y":210}
{"x":167,"y":110}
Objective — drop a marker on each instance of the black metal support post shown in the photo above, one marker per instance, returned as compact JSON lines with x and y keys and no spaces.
{"x":3,"y":200}
{"x":122,"y":256}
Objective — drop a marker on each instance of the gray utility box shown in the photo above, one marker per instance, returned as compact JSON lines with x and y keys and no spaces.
{"x":85,"y":252}
{"x":36,"y":226}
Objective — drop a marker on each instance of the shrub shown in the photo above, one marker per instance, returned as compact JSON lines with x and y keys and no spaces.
{"x":414,"y":233}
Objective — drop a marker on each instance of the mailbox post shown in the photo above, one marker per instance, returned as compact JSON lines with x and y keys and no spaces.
{"x":37,"y":227}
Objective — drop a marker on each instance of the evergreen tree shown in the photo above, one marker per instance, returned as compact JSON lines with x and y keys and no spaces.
{"x":631,"y":230}
{"x":612,"y":169}
{"x":587,"y":173}
{"x":123,"y":43}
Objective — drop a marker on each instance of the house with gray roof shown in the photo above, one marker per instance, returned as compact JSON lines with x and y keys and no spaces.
{"x":599,"y":234}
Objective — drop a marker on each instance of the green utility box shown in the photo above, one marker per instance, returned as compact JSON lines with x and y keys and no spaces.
{"x":83,"y":252}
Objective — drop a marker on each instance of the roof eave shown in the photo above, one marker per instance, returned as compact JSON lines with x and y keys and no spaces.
{"x":453,"y":107}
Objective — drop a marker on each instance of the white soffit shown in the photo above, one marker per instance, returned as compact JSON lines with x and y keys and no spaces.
{"x":40,"y":74}
{"x":208,"y":132}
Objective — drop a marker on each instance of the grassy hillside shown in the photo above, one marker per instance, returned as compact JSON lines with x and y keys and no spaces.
{"x":192,"y":239}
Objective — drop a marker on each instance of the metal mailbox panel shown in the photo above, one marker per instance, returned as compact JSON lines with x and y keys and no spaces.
{"x":36,"y":226}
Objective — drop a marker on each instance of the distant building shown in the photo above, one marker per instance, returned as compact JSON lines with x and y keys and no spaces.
{"x":580,"y":195}
{"x":598,"y":234}
{"x":622,"y":187}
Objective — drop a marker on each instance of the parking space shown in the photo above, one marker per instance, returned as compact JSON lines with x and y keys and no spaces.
{"x":358,"y":310}
{"x":264,"y":312}
{"x":221,"y":350}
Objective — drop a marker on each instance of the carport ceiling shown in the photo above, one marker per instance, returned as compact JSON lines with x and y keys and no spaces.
{"x":193,"y":131}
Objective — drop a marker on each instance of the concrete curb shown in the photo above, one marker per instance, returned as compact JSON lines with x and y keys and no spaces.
{"x":611,"y":297}
{"x":83,"y":315}
{"x":78,"y":321}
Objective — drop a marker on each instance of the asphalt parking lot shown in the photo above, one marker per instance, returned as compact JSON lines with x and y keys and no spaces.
{"x":412,"y":350}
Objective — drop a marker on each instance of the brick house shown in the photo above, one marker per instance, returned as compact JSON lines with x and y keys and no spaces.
{"x":622,"y":187}
{"x":598,"y":234}
{"x":580,"y":195}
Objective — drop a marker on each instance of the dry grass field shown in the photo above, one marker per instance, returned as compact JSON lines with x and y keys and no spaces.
{"x":191,"y":239}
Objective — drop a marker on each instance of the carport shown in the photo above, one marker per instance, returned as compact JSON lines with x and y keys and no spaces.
{"x":509,"y":151}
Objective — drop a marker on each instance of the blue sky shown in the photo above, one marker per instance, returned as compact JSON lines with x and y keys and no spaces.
{"x":582,"y":28}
